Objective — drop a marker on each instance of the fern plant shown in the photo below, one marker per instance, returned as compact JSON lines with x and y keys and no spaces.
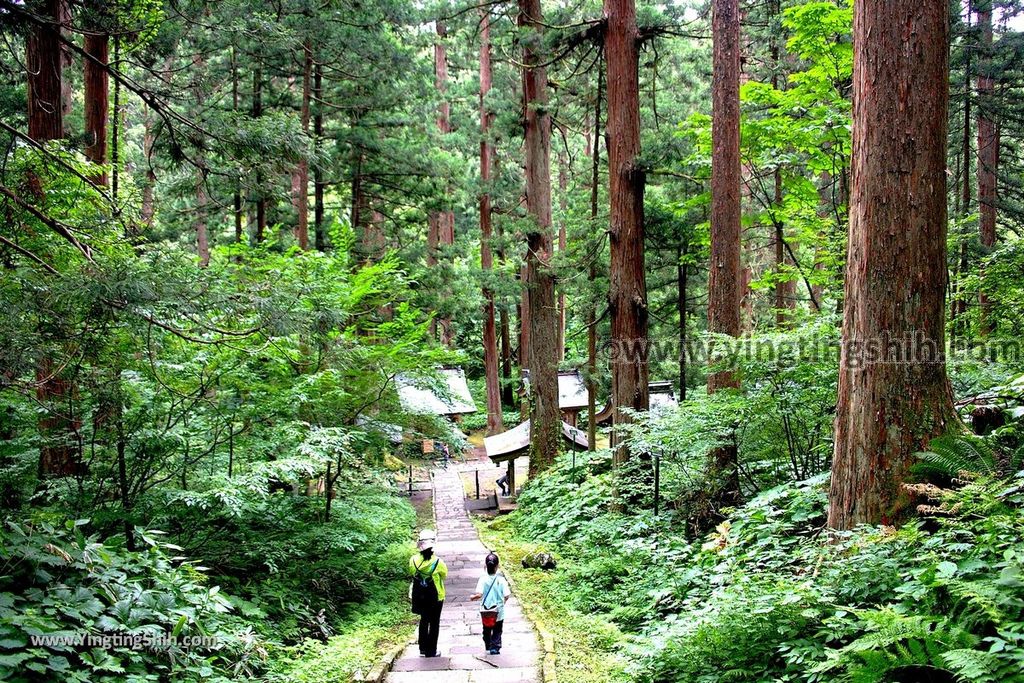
{"x":895,"y":645}
{"x":978,"y":666}
{"x":957,"y":455}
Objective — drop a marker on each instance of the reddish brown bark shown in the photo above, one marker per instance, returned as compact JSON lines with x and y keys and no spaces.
{"x":627,"y":293}
{"x":595,"y":171}
{"x":896,"y":268}
{"x":959,"y":304}
{"x":96,"y":101}
{"x":725,"y":276}
{"x":59,"y":452}
{"x":504,"y":324}
{"x":375,"y":241}
{"x":545,"y":418}
{"x":319,"y":186}
{"x":300,"y":181}
{"x":441,"y":223}
{"x":490,"y":334}
{"x":507,"y":392}
{"x":202,"y":233}
{"x":116,"y":126}
{"x":682,"y":293}
{"x":563,"y":193}
{"x":44,"y":67}
{"x":988,"y":149}
{"x":58,"y":426}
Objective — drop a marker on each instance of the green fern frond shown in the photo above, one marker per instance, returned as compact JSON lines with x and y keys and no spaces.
{"x":896,"y":642}
{"x":981,"y":601}
{"x":976,"y":666}
{"x":954,"y":454}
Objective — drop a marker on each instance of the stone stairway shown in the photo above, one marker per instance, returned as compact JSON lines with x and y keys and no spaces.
{"x":463,"y":657}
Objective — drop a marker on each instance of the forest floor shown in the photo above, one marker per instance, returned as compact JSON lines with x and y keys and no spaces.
{"x":463,"y":658}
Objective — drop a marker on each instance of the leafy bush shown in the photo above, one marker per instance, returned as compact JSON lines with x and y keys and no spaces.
{"x":298,"y":573}
{"x":768,"y":596}
{"x":59,"y":587}
{"x":477,"y":421}
{"x":365,"y":633}
{"x":780,"y":424}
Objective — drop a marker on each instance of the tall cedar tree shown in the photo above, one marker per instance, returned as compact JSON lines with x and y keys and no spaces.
{"x":595,"y":173}
{"x":319,"y":185}
{"x":202,"y":197}
{"x":959,"y":304}
{"x":94,"y":70}
{"x":300,"y":178}
{"x":542,"y":309}
{"x":724,"y":280}
{"x":441,"y":226}
{"x":490,"y":335}
{"x":627,"y":295}
{"x":785,"y":287}
{"x":58,"y":455}
{"x":988,"y":146}
{"x":896,"y":269}
{"x":44,"y":71}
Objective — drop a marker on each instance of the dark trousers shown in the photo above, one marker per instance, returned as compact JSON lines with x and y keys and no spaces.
{"x":430,"y":623}
{"x":492,"y":636}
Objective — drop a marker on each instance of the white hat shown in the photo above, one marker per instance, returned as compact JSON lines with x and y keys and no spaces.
{"x":427,"y":538}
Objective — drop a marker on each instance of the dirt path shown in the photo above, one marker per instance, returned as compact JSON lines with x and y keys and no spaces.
{"x":463,"y":658}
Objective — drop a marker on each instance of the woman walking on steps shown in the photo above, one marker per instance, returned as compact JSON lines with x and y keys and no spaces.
{"x":427,"y":591}
{"x":492,"y":591}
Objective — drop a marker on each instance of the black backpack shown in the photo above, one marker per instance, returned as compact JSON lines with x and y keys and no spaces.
{"x":424,"y":591}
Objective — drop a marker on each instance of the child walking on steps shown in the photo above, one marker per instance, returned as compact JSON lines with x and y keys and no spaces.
{"x":492,"y":591}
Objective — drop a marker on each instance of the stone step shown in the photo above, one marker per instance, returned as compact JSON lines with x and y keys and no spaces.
{"x":512,"y":643}
{"x":521,"y":675}
{"x":464,"y":661}
{"x":460,"y":642}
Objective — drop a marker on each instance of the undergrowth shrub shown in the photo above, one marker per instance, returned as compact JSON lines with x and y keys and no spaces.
{"x":57,"y":583}
{"x":769,"y":595}
{"x":295,"y":572}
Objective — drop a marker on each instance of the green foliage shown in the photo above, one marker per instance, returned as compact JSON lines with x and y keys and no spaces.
{"x":60,"y":587}
{"x":297,"y":572}
{"x":768,"y":597}
{"x":365,"y":635}
{"x":780,"y":423}
{"x":958,"y":455}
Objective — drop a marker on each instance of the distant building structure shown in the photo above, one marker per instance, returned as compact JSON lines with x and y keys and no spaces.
{"x":572,"y":393}
{"x":451,"y":398}
{"x":515,"y":443}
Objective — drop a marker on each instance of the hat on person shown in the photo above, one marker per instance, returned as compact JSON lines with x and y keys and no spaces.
{"x":427,"y":538}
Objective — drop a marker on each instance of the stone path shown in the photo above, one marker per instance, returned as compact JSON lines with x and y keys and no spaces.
{"x":463,"y":657}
